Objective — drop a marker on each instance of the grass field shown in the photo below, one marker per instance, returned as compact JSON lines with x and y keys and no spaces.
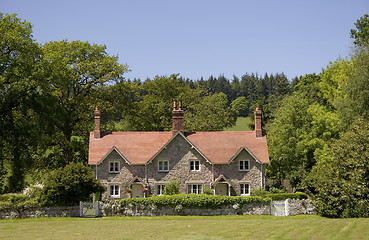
{"x":242,"y":124}
{"x":186,"y":227}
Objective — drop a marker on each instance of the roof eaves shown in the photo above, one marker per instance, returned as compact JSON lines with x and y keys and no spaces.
{"x":240,"y":150}
{"x":170,"y":140}
{"x":111,"y":150}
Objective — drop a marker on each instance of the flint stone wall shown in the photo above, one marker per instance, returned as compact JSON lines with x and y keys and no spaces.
{"x":300,"y":206}
{"x":262,"y":208}
{"x":72,"y":211}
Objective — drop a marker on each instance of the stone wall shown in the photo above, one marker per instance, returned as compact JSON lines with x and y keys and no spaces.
{"x":72,"y":211}
{"x":303,"y":206}
{"x":262,"y":208}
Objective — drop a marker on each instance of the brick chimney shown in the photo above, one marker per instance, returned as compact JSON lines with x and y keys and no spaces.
{"x":177,"y":117}
{"x":97,"y":115}
{"x":258,"y":130}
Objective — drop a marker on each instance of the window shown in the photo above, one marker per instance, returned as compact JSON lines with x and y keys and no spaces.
{"x":194,"y":165}
{"x":114,"y":191}
{"x":114,"y":167}
{"x":194,"y":188}
{"x":244,"y":189}
{"x":244,"y":165}
{"x":160,"y":189}
{"x":163,"y":166}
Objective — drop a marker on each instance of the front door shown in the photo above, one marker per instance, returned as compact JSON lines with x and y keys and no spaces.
{"x":221,"y":189}
{"x":137,"y":191}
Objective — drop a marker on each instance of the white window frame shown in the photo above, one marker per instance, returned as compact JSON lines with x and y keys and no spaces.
{"x":241,"y":165}
{"x":243,"y":188}
{"x":114,"y":191}
{"x":159,"y":189}
{"x":114,"y":166}
{"x":193,"y":167}
{"x":163,"y":162}
{"x":194,"y":188}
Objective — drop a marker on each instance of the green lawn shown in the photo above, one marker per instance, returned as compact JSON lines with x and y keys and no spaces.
{"x":242,"y":124}
{"x":186,"y":227}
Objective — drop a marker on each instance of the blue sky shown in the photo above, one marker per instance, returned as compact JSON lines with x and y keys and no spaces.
{"x":199,"y":38}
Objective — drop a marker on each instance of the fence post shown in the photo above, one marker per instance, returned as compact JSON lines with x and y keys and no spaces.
{"x":80,"y":209}
{"x":286,"y":207}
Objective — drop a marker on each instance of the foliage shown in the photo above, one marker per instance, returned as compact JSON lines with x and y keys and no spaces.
{"x":75,"y":71}
{"x":241,"y":106}
{"x":284,"y":196}
{"x":69,"y":185}
{"x":207,"y":190}
{"x":19,"y":100}
{"x":361,"y":33}
{"x":341,"y":176}
{"x":302,"y":125}
{"x":171,"y":188}
{"x":192,"y":200}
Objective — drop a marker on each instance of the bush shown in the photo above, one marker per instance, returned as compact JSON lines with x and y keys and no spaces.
{"x":284,"y":196}
{"x":69,"y":185}
{"x":171,"y":188}
{"x":207,"y":190}
{"x":192,"y":200}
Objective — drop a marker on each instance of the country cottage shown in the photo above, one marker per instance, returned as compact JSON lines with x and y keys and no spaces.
{"x":140,"y":164}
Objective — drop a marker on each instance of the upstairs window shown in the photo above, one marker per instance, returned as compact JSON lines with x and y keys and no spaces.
{"x":244,"y":165}
{"x":195,"y":165}
{"x":163,"y":166}
{"x":194,"y":188}
{"x":244,"y":189}
{"x":114,"y":167}
{"x":114,"y":191}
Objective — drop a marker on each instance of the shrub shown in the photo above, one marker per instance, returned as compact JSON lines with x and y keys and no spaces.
{"x":69,"y":185}
{"x":171,"y":188}
{"x":284,"y":196}
{"x":207,"y":190}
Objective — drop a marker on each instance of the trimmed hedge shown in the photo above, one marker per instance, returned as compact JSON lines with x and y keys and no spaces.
{"x":192,"y":200}
{"x":13,"y":198}
{"x":284,"y":196}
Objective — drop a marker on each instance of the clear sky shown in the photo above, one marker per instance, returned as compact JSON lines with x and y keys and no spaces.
{"x":199,"y":38}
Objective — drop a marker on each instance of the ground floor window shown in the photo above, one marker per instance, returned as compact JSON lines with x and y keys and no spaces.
{"x":160,"y":189}
{"x":114,"y":191}
{"x":194,"y":188}
{"x":244,"y":189}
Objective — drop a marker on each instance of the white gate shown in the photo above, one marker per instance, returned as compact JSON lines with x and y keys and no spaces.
{"x":279,"y":208}
{"x":88,"y":209}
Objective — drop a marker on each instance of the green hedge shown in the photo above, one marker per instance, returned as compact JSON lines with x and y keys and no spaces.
{"x":13,"y":198}
{"x":284,"y":196}
{"x":192,"y":200}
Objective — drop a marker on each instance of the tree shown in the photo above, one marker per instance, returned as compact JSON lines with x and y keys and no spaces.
{"x":302,"y":126}
{"x":76,"y":70}
{"x":69,"y":185}
{"x":361,"y":33}
{"x":241,"y":106}
{"x":356,"y":88}
{"x":341,"y":176}
{"x":19,"y":99}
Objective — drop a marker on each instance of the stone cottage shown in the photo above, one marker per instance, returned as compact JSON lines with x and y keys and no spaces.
{"x":140,"y":164}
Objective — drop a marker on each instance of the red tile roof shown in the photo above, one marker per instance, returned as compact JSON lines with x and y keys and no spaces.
{"x":221,"y":147}
{"x":136,"y":147}
{"x":140,"y":147}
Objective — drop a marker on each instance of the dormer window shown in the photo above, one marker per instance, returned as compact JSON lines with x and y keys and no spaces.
{"x":114,"y":167}
{"x":244,"y":165}
{"x":195,"y":165}
{"x":163,"y":166}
